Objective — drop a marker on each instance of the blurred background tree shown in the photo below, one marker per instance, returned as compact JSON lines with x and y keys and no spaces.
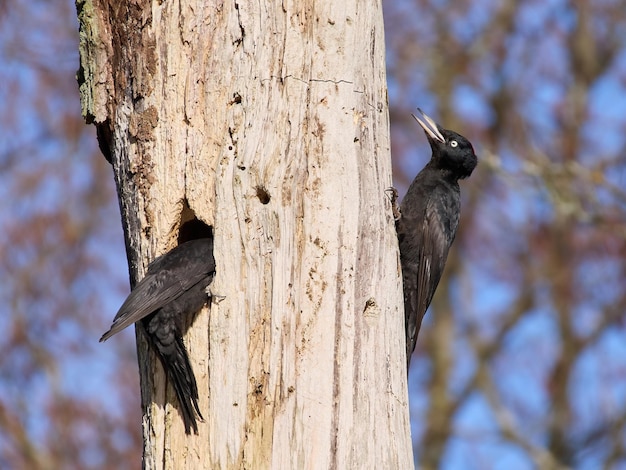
{"x":65,"y":400}
{"x":522,"y":361}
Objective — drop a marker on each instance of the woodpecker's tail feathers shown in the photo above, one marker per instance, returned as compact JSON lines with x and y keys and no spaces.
{"x":180,"y":373}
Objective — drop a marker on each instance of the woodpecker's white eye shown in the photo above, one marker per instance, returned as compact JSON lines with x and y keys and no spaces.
{"x":454,"y":143}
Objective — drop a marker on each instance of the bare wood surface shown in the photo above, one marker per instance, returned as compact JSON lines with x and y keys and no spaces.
{"x":270,"y":121}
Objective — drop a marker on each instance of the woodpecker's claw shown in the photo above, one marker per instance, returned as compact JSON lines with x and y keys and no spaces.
{"x":215,"y":298}
{"x":393,"y":198}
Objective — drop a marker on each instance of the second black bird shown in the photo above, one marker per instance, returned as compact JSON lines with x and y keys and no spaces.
{"x":175,"y":285}
{"x":428,"y":220}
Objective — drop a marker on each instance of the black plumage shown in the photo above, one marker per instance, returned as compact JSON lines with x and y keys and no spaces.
{"x":428,"y":220}
{"x":175,"y":285}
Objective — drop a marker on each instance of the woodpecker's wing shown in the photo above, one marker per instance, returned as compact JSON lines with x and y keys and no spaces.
{"x":421,"y":274}
{"x":168,"y":276}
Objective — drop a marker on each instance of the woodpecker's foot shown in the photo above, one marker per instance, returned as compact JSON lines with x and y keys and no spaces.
{"x":216,"y":298}
{"x":395,"y":207}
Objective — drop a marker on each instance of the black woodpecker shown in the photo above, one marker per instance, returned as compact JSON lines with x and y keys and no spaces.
{"x":428,"y":219}
{"x":175,"y":285}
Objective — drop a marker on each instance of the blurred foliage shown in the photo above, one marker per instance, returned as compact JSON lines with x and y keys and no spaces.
{"x":522,"y":360}
{"x":61,"y":261}
{"x":522,"y":363}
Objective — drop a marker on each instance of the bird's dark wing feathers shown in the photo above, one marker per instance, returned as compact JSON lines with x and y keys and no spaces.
{"x":433,"y":258}
{"x":421,"y":276}
{"x":168,"y":276}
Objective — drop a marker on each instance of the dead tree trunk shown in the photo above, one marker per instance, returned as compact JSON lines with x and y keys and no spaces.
{"x":268,"y":122}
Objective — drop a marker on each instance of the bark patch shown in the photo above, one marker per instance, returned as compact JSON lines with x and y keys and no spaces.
{"x":142,"y":124}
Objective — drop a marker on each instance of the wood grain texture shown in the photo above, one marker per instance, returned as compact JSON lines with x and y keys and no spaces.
{"x":270,"y":121}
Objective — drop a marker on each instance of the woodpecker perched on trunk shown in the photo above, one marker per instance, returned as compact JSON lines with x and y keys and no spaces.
{"x":427,"y":221}
{"x":175,"y":285}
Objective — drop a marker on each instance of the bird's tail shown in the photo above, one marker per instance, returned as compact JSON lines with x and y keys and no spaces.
{"x":178,"y":368}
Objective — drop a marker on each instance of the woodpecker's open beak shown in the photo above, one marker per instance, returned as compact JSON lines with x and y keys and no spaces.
{"x":429,"y":126}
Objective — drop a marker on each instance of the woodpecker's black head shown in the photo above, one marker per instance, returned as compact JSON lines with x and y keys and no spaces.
{"x":451,"y":151}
